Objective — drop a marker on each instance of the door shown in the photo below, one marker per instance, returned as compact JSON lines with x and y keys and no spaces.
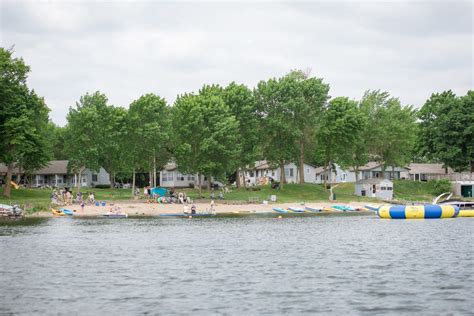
{"x":466,"y":190}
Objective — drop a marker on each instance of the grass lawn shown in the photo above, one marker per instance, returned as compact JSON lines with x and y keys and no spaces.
{"x":405,"y":190}
{"x":39,"y":199}
{"x":290,"y":193}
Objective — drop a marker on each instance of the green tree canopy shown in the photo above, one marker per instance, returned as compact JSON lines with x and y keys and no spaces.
{"x":206,"y":134}
{"x":23,"y":119}
{"x":447,"y":130}
{"x":149,"y":132}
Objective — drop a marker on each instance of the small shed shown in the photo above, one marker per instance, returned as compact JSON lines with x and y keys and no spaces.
{"x":379,"y":188}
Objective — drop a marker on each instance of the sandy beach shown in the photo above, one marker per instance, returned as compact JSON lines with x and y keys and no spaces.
{"x":141,"y":208}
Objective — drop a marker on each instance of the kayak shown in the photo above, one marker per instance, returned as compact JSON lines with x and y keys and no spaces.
{"x":57,"y":212}
{"x":296,"y":209}
{"x":343,"y":208}
{"x":66,"y":212}
{"x":313,"y":210}
{"x":280,"y":210}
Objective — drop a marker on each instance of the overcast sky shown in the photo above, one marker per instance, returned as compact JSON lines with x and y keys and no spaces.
{"x":126,"y":49}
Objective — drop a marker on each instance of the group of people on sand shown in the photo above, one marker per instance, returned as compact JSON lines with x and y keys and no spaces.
{"x":193,"y":210}
{"x":65,"y":197}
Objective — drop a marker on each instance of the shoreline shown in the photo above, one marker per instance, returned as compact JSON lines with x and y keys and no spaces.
{"x":137,"y":209}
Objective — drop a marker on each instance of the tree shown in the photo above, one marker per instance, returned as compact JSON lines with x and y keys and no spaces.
{"x":310,"y":96}
{"x":447,"y":131}
{"x":23,"y":119}
{"x":85,"y":135}
{"x":206,"y":134}
{"x":56,"y":138}
{"x":241,"y":103}
{"x":338,"y":131}
{"x":276,"y":100}
{"x":114,"y":133}
{"x":149,"y":134}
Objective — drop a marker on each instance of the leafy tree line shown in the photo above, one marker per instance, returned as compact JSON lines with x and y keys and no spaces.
{"x":218,"y":131}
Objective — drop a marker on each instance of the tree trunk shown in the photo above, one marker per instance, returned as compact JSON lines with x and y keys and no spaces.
{"x":79,"y":180}
{"x":356,"y":170}
{"x":325,"y":176}
{"x":243,"y":178}
{"x":7,"y":187}
{"x":282,"y":175}
{"x":331,"y":196}
{"x":199,"y":184}
{"x":154,"y":171}
{"x":209,"y":183}
{"x":301,"y":167}
{"x":237,"y":179}
{"x":133,"y":183}
{"x":393,"y":172}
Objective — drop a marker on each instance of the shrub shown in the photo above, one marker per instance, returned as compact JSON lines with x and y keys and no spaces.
{"x":439,"y":186}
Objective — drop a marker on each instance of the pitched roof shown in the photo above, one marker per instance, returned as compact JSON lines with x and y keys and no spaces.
{"x":368,"y":166}
{"x":170,"y":166}
{"x":53,"y":167}
{"x":428,"y":168}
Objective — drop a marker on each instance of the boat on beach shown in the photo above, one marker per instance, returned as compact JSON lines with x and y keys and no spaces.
{"x":9,"y":211}
{"x":115,"y":215}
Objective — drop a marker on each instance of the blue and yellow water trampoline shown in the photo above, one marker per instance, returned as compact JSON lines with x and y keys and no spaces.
{"x":417,"y":211}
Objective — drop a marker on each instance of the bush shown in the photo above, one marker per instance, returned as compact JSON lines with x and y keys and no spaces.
{"x":439,"y":186}
{"x":102,"y":186}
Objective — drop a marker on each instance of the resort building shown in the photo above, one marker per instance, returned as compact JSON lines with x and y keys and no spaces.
{"x":379,"y":188}
{"x":427,"y":171}
{"x":55,"y":174}
{"x":261,"y":173}
{"x":171,"y":177}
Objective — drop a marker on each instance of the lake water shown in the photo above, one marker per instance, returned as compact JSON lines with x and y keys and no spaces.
{"x":253,"y":265}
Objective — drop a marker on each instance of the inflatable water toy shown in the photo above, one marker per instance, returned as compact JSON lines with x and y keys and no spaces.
{"x":417,"y":211}
{"x":374,"y":208}
{"x":466,"y":209}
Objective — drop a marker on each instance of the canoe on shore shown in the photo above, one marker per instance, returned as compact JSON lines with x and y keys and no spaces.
{"x":187,"y":215}
{"x":112,"y":215}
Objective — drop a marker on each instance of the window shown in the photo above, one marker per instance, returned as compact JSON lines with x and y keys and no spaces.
{"x":289,"y":172}
{"x":307,"y":170}
{"x":84,"y":180}
{"x":94,"y":178}
{"x":179,"y":177}
{"x":167,"y":176}
{"x":251,"y":174}
{"x":191,"y":177}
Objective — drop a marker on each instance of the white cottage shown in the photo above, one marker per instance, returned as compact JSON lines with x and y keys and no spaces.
{"x":379,"y":188}
{"x":55,"y":174}
{"x":171,"y":177}
{"x":262,"y":172}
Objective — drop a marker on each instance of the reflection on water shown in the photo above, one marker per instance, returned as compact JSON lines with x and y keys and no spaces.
{"x":250,"y":265}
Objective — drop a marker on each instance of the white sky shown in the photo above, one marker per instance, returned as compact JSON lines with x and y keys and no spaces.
{"x":126,"y":49}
